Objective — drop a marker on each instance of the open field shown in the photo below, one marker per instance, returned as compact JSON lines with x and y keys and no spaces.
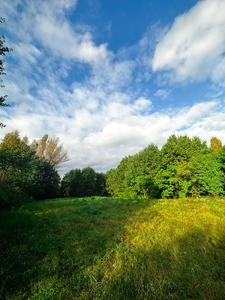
{"x":103,"y":248}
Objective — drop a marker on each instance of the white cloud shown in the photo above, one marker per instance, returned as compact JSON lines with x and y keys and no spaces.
{"x":194,"y":43}
{"x":103,"y":116}
{"x":218,"y":74}
{"x":102,"y":139}
{"x":163,"y":94}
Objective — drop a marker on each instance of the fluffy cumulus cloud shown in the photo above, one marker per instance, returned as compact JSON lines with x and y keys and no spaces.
{"x":194,"y":45}
{"x":98,"y":103}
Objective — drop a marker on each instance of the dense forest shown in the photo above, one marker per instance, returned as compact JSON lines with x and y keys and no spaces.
{"x":183,"y":167}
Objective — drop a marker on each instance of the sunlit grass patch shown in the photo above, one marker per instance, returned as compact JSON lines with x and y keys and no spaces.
{"x":102,"y":248}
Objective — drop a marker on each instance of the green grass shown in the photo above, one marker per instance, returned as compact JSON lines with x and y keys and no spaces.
{"x":103,"y":248}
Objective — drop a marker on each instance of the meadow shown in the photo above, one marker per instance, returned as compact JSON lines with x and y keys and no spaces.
{"x":113,"y":249}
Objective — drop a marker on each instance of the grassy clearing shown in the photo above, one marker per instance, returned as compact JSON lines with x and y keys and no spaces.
{"x":115,"y":249}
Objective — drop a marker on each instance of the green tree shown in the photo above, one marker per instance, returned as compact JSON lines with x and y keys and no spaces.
{"x":83,"y":183}
{"x":140,"y":173}
{"x":89,"y":182}
{"x":101,"y":184}
{"x":16,"y":157}
{"x":3,"y":51}
{"x":22,"y":174}
{"x":201,"y":176}
{"x":15,"y":165}
{"x":111,"y":182}
{"x":71,"y":185}
{"x":115,"y":179}
{"x":44,"y":181}
{"x":176,"y":150}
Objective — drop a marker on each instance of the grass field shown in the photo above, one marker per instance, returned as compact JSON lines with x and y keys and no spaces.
{"x":103,"y":248}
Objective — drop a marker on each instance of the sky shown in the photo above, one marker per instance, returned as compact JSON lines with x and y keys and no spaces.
{"x":111,"y":77}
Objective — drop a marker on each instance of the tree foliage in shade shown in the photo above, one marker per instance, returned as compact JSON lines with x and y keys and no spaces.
{"x":83,"y":183}
{"x":3,"y":50}
{"x":22,"y":174}
{"x":44,"y":181}
{"x":71,"y":184}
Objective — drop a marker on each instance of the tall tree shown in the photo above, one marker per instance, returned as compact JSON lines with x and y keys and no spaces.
{"x":83,"y":183}
{"x":3,"y":51}
{"x":176,"y":150}
{"x":115,"y":179}
{"x":140,"y":173}
{"x":71,"y":184}
{"x":43,"y":181}
{"x":22,"y":174}
{"x":50,"y":149}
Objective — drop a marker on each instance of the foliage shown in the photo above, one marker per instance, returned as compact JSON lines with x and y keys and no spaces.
{"x":71,"y":184}
{"x":176,"y":150}
{"x":44,"y":181}
{"x":201,"y":176}
{"x":183,"y":167}
{"x":100,"y":248}
{"x":216,"y":144}
{"x":83,"y":183}
{"x":140,"y":173}
{"x":51,"y":150}
{"x":3,"y":51}
{"x":115,"y":179}
{"x":22,"y":174}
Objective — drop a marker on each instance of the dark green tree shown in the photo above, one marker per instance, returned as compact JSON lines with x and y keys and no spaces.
{"x":43,"y":182}
{"x":71,"y":185}
{"x":83,"y":183}
{"x":101,"y":184}
{"x":21,"y":172}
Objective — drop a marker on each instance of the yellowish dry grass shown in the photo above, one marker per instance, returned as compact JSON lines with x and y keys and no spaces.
{"x":101,"y":248}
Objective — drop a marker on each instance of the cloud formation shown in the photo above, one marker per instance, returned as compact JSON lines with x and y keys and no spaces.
{"x":194,"y":45}
{"x":100,"y":103}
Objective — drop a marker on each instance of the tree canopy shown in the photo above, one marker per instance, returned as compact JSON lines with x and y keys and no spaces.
{"x":183,"y":167}
{"x":83,"y":183}
{"x":22,"y":174}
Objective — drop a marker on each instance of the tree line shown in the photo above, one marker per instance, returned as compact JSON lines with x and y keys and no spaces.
{"x":183,"y":167}
{"x":29,"y":171}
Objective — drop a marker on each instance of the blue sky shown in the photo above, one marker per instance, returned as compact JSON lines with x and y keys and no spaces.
{"x":110,"y":77}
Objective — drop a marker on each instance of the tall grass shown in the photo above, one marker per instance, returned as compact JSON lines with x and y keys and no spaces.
{"x":102,"y":248}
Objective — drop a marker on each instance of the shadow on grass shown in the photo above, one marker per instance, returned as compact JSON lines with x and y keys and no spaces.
{"x":91,"y":249}
{"x":47,"y":247}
